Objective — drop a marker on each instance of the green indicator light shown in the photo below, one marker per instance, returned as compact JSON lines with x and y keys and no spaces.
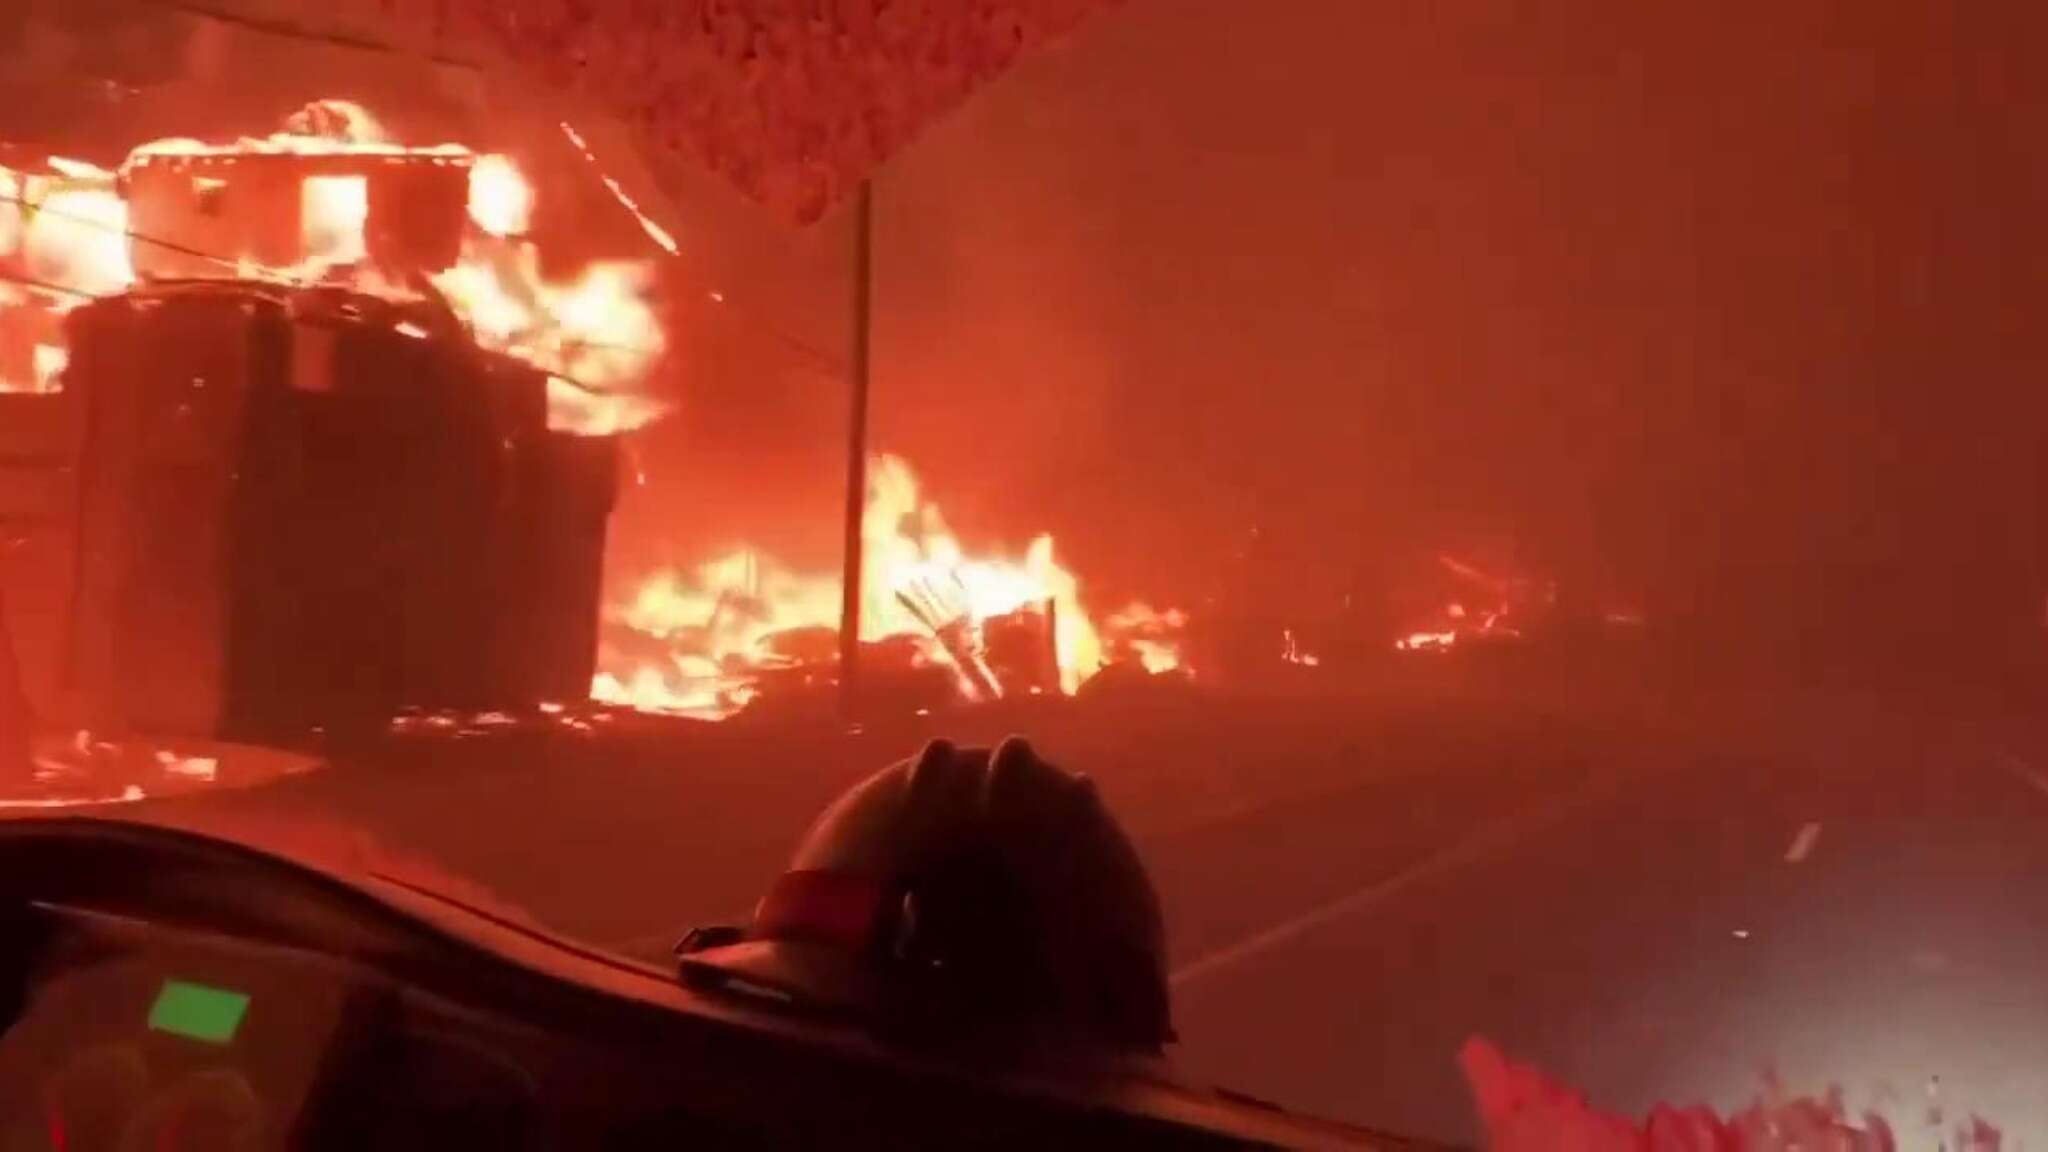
{"x":197,"y":1012}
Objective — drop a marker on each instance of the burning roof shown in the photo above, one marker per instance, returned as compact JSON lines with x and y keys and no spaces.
{"x":331,"y":198}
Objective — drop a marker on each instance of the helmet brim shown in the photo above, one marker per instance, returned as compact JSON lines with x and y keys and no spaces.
{"x":813,"y":977}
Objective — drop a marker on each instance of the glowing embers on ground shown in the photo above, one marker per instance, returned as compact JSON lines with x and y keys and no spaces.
{"x":702,"y":641}
{"x":1146,"y":635}
{"x":66,"y":236}
{"x":80,"y":768}
{"x":1484,"y":607}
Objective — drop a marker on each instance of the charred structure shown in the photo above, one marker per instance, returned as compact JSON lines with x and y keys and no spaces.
{"x":286,"y":488}
{"x":302,"y":507}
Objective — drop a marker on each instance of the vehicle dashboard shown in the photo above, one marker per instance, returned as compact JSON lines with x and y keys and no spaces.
{"x":169,"y":991}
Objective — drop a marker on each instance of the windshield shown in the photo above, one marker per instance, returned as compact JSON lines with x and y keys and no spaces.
{"x":1531,"y":517}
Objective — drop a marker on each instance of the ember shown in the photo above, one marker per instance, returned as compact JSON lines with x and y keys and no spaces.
{"x":69,"y":233}
{"x":1151,"y":637}
{"x":699,"y":642}
{"x":1501,"y":606}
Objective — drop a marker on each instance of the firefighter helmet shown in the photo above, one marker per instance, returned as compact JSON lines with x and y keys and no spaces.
{"x":969,"y":889}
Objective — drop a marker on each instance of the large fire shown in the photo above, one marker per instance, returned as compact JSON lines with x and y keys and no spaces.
{"x":715,"y":629}
{"x":698,"y":641}
{"x":66,"y":228}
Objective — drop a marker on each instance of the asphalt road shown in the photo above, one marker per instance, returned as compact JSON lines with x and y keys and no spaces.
{"x":1652,"y":911}
{"x":1843,"y":896}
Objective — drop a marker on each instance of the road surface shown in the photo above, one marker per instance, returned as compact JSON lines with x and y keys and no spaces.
{"x":1654,"y":912}
{"x":1846,"y":897}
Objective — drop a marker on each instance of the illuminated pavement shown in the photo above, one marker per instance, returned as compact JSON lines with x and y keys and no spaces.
{"x":1861,"y":904}
{"x":1351,"y":894}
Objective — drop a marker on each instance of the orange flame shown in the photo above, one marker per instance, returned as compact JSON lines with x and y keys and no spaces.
{"x":75,"y":235}
{"x":715,"y":622}
{"x":333,"y":211}
{"x":1152,"y":637}
{"x":500,"y":199}
{"x":50,"y":360}
{"x":595,"y":332}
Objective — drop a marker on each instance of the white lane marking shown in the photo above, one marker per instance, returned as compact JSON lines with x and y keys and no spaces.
{"x":1802,"y":844}
{"x":1495,"y":834}
{"x":2027,"y":773}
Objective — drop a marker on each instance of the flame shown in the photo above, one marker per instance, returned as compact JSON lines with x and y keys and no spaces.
{"x":1426,"y":641}
{"x":50,"y":361}
{"x":333,"y":211}
{"x":76,"y":239}
{"x":500,"y":199}
{"x":1152,"y":637}
{"x":322,"y":128}
{"x":595,"y":332}
{"x":714,"y":625}
{"x":1292,"y":652}
{"x":11,"y":194}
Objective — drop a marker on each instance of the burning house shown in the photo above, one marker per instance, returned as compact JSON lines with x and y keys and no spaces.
{"x":297,"y":434}
{"x":307,"y":438}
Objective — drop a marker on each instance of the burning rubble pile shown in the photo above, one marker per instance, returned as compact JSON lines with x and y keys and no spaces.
{"x":709,"y":641}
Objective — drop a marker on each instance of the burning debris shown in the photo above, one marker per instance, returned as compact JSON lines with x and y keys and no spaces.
{"x":1483,"y":607}
{"x":330,"y":200}
{"x":709,"y":641}
{"x":1151,"y":638}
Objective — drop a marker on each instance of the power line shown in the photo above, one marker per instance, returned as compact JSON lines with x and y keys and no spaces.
{"x":79,"y":293}
{"x":45,"y":285}
{"x":43,"y":209}
{"x":291,"y":31}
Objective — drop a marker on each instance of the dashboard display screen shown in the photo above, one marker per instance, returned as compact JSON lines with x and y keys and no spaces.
{"x":197,"y":1012}
{"x":132,"y":1035}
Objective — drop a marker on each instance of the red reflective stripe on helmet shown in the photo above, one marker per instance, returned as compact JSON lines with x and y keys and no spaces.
{"x":834,"y":907}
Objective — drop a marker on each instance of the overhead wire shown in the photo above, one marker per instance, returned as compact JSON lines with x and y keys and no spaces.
{"x":295,"y":32}
{"x":296,"y":282}
{"x":42,"y":209}
{"x":46,"y":286}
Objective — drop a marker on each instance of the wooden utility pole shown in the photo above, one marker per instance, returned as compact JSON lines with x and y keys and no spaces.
{"x":857,"y":444}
